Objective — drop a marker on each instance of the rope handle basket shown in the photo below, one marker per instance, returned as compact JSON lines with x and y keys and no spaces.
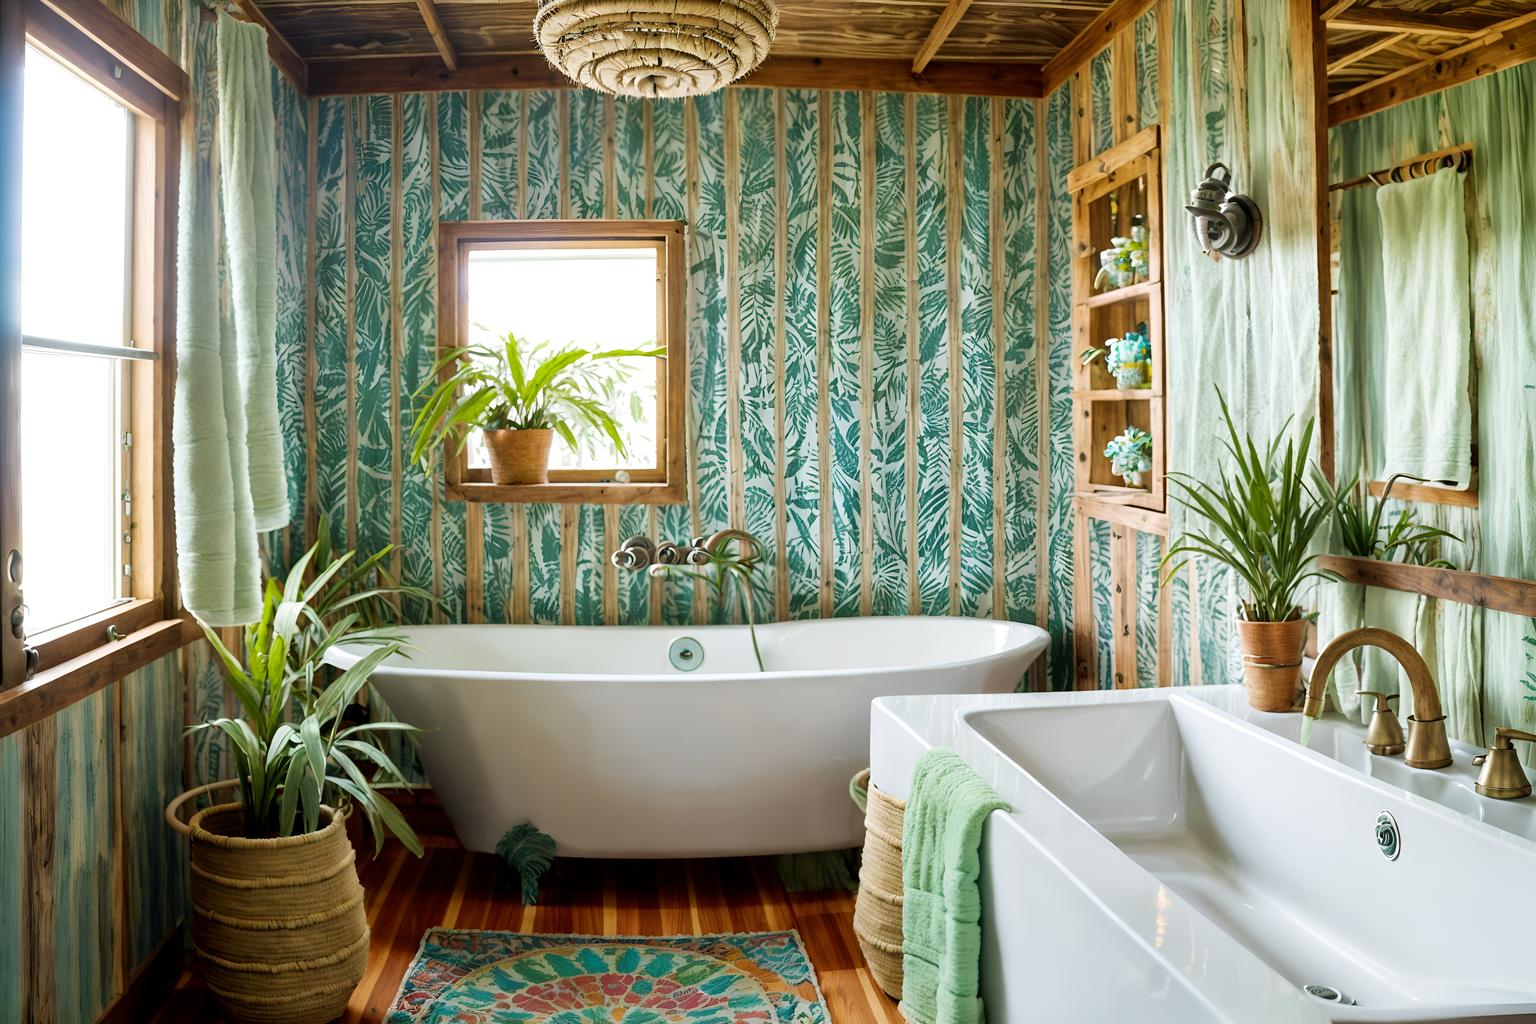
{"x":173,"y":809}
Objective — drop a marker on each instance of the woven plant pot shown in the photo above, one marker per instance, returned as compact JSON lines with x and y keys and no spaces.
{"x":279,"y":923}
{"x":877,"y":908}
{"x":1272,"y":663}
{"x":519,"y":456}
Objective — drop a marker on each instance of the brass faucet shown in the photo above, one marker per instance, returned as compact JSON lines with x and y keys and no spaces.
{"x":1428,"y":746}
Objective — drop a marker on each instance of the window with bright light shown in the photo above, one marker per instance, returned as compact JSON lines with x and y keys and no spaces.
{"x":595,"y":299}
{"x":77,"y":222}
{"x":592,"y":285}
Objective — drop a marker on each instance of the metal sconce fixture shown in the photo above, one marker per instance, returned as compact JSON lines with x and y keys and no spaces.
{"x":1224,"y":222}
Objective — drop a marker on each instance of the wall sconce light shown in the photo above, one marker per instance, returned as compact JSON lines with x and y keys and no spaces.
{"x":1224,"y":222}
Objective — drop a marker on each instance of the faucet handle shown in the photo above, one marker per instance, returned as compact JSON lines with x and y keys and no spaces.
{"x":1385,"y":737}
{"x":1502,"y":777}
{"x":1382,"y":699}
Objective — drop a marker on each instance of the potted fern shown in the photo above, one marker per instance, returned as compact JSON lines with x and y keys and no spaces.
{"x":277,"y":908}
{"x":519,"y":397}
{"x":1259,"y":518}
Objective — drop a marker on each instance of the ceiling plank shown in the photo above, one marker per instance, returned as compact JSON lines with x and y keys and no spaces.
{"x":1355,"y":56}
{"x":1373,"y":19}
{"x":1332,"y":10}
{"x":439,"y":33}
{"x":416,"y":74}
{"x":282,"y":52}
{"x":1509,"y":43}
{"x":1100,"y":33}
{"x":948,"y":19}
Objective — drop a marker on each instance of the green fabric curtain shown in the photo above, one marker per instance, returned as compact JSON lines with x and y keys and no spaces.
{"x":1497,"y":115}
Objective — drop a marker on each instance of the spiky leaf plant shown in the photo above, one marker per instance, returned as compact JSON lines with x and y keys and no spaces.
{"x":293,"y":751}
{"x":1259,"y":517}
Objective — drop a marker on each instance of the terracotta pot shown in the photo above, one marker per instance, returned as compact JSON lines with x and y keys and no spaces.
{"x":519,"y":456}
{"x":1272,"y":663}
{"x":278,"y":923}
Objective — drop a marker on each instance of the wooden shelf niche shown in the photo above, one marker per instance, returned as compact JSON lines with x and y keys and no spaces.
{"x":1108,"y":192}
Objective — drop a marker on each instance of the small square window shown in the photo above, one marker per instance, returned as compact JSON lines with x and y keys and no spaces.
{"x":593,"y":285}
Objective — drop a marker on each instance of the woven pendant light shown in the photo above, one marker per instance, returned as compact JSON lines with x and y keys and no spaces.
{"x":655,"y":48}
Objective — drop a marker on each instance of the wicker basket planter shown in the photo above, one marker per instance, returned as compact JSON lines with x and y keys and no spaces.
{"x":519,"y":456}
{"x":278,"y":923}
{"x":1272,"y":663}
{"x":877,"y":908}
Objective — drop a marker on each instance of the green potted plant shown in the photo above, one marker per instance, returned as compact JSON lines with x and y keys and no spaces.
{"x":277,"y":908}
{"x":519,"y":396}
{"x":1260,"y":518}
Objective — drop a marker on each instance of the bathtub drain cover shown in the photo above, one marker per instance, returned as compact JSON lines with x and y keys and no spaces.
{"x":1328,"y":994}
{"x":686,"y":654}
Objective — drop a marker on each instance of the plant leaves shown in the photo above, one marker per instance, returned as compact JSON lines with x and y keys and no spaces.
{"x":530,"y":853}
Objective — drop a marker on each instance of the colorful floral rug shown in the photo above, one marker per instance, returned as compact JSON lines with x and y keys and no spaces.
{"x":464,"y":977}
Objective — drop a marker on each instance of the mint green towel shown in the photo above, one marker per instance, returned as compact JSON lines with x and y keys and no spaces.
{"x":1424,"y":260}
{"x":228,"y":448}
{"x":941,"y":911}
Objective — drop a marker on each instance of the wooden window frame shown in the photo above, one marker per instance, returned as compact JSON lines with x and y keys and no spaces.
{"x":53,"y":668}
{"x":667,"y":483}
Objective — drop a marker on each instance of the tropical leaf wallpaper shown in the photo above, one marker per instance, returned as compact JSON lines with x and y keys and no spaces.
{"x":869,"y":393}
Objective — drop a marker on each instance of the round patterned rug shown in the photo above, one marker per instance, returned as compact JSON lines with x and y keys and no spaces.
{"x":462,"y":977}
{"x":615,"y":985}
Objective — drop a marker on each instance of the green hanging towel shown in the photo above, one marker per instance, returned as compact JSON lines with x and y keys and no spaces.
{"x":941,"y":911}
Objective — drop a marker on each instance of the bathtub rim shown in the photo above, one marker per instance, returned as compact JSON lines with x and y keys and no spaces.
{"x":1035,"y":641}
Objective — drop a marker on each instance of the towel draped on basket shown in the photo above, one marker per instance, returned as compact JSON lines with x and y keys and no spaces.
{"x":941,"y":911}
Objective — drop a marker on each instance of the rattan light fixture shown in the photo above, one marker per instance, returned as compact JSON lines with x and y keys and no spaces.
{"x":655,"y":48}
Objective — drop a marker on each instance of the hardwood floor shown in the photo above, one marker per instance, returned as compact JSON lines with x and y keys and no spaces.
{"x":454,"y":888}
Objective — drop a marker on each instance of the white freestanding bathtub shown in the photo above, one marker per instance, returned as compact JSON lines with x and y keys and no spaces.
{"x":592,"y":735}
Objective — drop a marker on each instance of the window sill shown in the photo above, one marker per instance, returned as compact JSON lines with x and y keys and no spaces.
{"x":53,"y":689}
{"x":569,"y":493}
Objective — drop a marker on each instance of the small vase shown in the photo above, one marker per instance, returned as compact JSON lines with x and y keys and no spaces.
{"x":519,"y":456}
{"x":1272,"y":663}
{"x":1132,"y":377}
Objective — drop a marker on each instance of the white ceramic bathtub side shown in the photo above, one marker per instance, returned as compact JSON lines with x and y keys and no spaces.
{"x":593,"y":736}
{"x":1219,"y":867}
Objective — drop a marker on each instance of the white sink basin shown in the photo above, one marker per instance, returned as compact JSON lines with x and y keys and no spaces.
{"x":1166,"y":860}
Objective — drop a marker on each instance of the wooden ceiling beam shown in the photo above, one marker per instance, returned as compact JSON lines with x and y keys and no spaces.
{"x":417,"y":74}
{"x":1373,"y":19}
{"x":1506,"y":44}
{"x":439,"y":33}
{"x":1330,"y":9}
{"x":948,"y":19}
{"x":1359,"y":54}
{"x":281,"y":51}
{"x":1100,"y":32}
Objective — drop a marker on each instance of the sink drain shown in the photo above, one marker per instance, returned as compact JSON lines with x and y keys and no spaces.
{"x":1328,"y":994}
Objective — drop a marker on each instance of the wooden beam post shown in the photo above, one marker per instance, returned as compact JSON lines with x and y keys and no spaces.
{"x":1122,"y":570}
{"x":439,"y":33}
{"x":948,"y":19}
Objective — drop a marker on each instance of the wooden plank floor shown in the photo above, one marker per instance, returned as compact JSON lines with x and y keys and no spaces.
{"x":457,"y":889}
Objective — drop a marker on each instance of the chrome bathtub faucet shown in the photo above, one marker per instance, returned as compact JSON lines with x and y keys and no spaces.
{"x":643,"y":552}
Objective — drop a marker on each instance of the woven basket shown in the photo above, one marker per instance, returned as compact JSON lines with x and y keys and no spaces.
{"x":279,"y":923}
{"x":877,"y":909}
